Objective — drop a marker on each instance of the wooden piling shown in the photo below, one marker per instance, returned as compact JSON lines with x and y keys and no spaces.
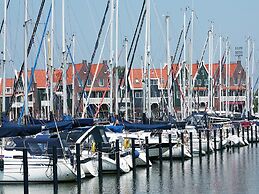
{"x":133,"y":153}
{"x":248,"y":138}
{"x":160,"y":147}
{"x":191,"y":144}
{"x":221,"y":139}
{"x":215,"y":139}
{"x":170,"y":146}
{"x":78,"y":166}
{"x":200,"y":146}
{"x":100,"y":160}
{"x":243,"y":133}
{"x":147,"y":152}
{"x":208,"y":141}
{"x":25,"y":172}
{"x":117,"y":156}
{"x":182,"y":146}
{"x":55,"y":170}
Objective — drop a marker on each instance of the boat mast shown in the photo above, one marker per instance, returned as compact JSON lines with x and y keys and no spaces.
{"x":227,"y":75}
{"x":220,"y":74}
{"x":168,"y":59}
{"x":247,"y":78}
{"x":190,"y":93}
{"x":52,"y":58}
{"x":252,"y":78}
{"x":4,"y":54}
{"x":126,"y":80}
{"x":73,"y":77}
{"x":47,"y":62}
{"x":116,"y":57}
{"x":25,"y":60}
{"x":111,"y":56}
{"x":64,"y":61}
{"x":148,"y":59}
{"x":183,"y":66}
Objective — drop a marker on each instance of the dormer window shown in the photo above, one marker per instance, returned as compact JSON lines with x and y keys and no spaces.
{"x":136,"y":81}
{"x":101,"y":82}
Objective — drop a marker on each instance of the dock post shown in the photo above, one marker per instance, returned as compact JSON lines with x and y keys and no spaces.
{"x":227,"y":132}
{"x":252,"y":135}
{"x":208,"y":141}
{"x":133,"y":154}
{"x":78,"y":166}
{"x":191,"y":144}
{"x":233,"y":131}
{"x":182,"y":146}
{"x":200,"y":148}
{"x":25,"y":171}
{"x":248,"y":138}
{"x":55,"y":170}
{"x":100,"y":161}
{"x":147,"y":152}
{"x":160,"y":147}
{"x":117,"y":156}
{"x":170,"y":146}
{"x":238,"y":132}
{"x":243,"y":133}
{"x":221,"y":139}
{"x":256,"y":134}
{"x":215,"y":139}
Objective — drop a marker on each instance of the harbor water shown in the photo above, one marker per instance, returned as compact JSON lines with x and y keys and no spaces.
{"x":230,"y":171}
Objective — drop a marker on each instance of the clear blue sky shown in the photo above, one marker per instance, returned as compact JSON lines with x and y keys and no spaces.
{"x":234,"y":19}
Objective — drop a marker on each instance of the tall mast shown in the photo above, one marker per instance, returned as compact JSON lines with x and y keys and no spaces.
{"x":210,"y":99}
{"x":126,"y":79}
{"x":116,"y":57}
{"x":4,"y":53}
{"x":64,"y":61}
{"x":220,"y":74}
{"x":52,"y":57}
{"x":111,"y":56}
{"x":191,"y":64}
{"x":252,"y":77}
{"x":73,"y":77}
{"x":184,"y":64}
{"x":227,"y":75}
{"x":25,"y":60}
{"x":47,"y":62}
{"x":148,"y":58}
{"x":248,"y":77}
{"x":167,"y":18}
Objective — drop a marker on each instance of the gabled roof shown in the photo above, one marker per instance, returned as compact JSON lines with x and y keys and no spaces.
{"x":8,"y":84}
{"x":39,"y":77}
{"x":78,"y":68}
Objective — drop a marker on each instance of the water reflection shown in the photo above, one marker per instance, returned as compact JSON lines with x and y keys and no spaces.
{"x":232,"y":171}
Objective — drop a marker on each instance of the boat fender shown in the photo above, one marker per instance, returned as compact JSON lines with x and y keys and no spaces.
{"x":136,"y":154}
{"x":1,"y":164}
{"x":93,"y":148}
{"x":126,"y":143}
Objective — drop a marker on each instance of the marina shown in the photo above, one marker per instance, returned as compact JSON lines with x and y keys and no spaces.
{"x":143,"y":112}
{"x":230,"y":171}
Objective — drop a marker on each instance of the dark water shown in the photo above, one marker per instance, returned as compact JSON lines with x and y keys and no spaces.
{"x":233,"y":171}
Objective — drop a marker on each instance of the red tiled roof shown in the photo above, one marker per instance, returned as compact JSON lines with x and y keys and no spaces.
{"x":8,"y":84}
{"x":40,"y":77}
{"x":78,"y":67}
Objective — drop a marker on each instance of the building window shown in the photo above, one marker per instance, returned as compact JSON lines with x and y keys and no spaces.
{"x":136,"y":81}
{"x":8,"y":90}
{"x":89,"y":82}
{"x":138,"y":94}
{"x":101,"y":82}
{"x":153,"y":82}
{"x":235,"y":81}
